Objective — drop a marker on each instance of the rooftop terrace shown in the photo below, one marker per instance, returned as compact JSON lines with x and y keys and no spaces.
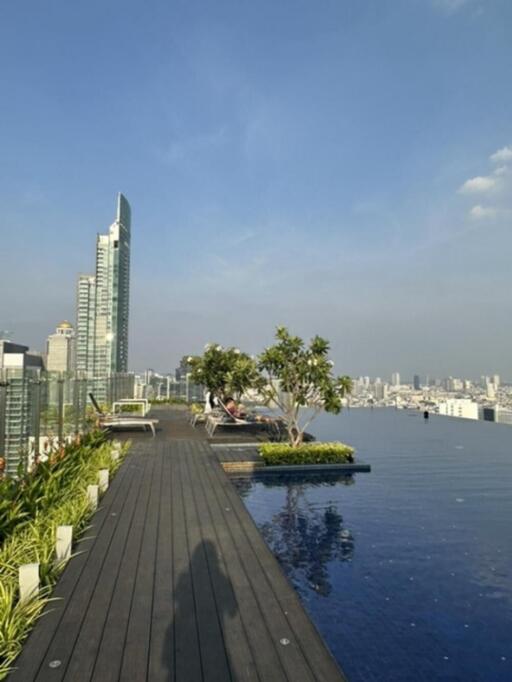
{"x":174,"y":581}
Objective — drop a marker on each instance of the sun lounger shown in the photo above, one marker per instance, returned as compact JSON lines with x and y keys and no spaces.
{"x":223,"y":417}
{"x":125,"y":424}
{"x":120,"y":422}
{"x":197,"y":417}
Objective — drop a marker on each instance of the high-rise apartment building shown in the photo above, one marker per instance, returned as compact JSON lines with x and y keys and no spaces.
{"x":491,"y":391}
{"x":395,"y":379}
{"x":380,"y":390}
{"x":60,"y":349}
{"x":85,"y":302}
{"x":112,"y":294}
{"x":103,"y":301}
{"x":19,"y":369}
{"x":416,"y":382}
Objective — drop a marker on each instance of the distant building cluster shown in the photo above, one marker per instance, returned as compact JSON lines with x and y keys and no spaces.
{"x":486,"y":399}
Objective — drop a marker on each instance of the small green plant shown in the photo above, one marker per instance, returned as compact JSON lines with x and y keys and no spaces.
{"x":42,"y":488}
{"x":275,"y":454}
{"x":129,"y":408}
{"x":168,"y":401}
{"x":52,"y":495}
{"x":16,"y":619}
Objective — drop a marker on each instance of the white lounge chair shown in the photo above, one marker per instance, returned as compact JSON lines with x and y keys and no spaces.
{"x":223,"y":417}
{"x":120,"y":422}
{"x":197,"y":417}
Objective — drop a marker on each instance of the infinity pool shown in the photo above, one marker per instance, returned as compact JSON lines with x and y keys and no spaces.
{"x":407,"y":570}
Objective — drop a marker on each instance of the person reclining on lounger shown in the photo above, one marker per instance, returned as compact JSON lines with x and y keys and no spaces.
{"x":239,"y":412}
{"x":235,"y":410}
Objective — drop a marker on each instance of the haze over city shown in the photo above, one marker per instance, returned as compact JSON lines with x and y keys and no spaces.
{"x":344,"y":170}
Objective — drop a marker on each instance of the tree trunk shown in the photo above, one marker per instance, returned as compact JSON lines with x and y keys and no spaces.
{"x":295,"y":435}
{"x":291,"y":416}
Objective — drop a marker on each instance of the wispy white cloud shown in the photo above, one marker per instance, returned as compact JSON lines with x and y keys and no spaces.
{"x":244,"y":237}
{"x":478,"y":185}
{"x":502,"y":155}
{"x":479,"y":212}
{"x":450,"y":6}
{"x":191,"y":146}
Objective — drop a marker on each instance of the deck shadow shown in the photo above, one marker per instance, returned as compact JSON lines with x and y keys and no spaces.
{"x":194,"y":642}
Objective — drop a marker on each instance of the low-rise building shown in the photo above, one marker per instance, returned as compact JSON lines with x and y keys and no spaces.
{"x":459,"y":407}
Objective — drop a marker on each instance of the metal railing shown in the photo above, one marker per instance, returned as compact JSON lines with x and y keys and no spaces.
{"x":40,"y":411}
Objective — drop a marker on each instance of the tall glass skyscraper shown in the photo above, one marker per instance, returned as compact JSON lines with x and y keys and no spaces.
{"x":103,"y":301}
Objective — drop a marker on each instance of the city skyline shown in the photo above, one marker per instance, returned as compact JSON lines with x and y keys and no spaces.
{"x":346,"y":172}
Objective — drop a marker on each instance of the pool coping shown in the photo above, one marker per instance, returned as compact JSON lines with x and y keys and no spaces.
{"x":260,"y":468}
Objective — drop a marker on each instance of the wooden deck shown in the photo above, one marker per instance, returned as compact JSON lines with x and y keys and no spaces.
{"x":174,"y":582}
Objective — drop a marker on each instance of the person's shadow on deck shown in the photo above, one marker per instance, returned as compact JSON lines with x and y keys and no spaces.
{"x":204,"y":603}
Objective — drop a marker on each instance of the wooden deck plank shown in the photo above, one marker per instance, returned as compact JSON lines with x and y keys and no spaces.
{"x":77,"y":639}
{"x":187,"y":655}
{"x":241,"y":657}
{"x":211,"y":642}
{"x":136,"y":648}
{"x":64,"y":639}
{"x":161,"y":653}
{"x":111,"y":642}
{"x":237,"y":454}
{"x":36,"y":647}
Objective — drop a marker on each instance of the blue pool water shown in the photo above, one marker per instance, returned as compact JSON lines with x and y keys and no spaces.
{"x":407,"y":570}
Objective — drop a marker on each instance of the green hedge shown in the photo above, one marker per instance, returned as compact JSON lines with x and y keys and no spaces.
{"x":130,"y":408}
{"x":308,"y":453}
{"x":168,"y":401}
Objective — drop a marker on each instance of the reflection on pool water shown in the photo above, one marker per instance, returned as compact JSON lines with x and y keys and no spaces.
{"x":406,"y":571}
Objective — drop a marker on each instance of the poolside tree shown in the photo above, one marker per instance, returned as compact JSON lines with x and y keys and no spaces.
{"x":223,"y":371}
{"x":299,"y":379}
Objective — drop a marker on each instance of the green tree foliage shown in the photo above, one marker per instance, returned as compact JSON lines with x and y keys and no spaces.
{"x":224,"y":371}
{"x":299,"y":379}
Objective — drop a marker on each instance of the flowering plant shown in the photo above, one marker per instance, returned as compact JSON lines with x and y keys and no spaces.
{"x":223,"y":371}
{"x":300,"y":381}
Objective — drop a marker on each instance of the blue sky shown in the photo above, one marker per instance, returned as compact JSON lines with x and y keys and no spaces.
{"x":342,"y":167}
